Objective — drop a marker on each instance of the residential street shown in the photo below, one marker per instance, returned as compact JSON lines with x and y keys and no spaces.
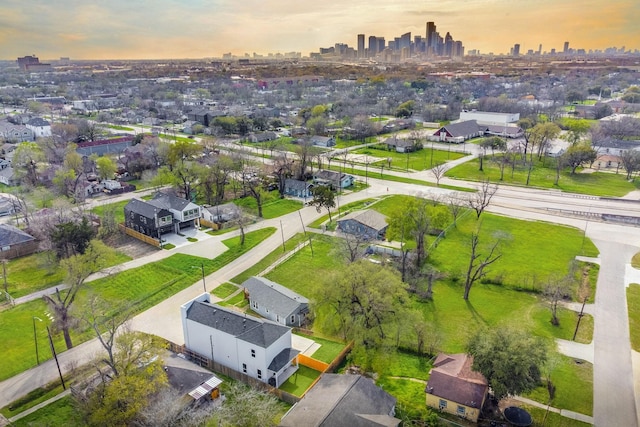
{"x":614,"y":398}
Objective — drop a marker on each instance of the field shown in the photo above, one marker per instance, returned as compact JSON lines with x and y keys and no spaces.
{"x":419,"y":160}
{"x":543,"y":176}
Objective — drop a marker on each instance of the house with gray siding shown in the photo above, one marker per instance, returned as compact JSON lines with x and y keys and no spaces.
{"x":367,"y":224}
{"x":275,"y":302}
{"x":258,"y":348}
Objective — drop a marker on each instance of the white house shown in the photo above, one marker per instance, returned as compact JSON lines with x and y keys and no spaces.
{"x":185,"y":213}
{"x":256,"y":347}
{"x":40,"y":127}
{"x":276,"y":302}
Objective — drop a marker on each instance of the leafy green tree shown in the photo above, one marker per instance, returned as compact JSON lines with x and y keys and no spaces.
{"x":578,"y":155}
{"x":25,"y":161}
{"x":511,"y":360}
{"x":323,"y":197}
{"x":493,"y":143}
{"x":405,"y":109}
{"x":576,"y":130}
{"x":106,"y":167}
{"x":71,"y":238}
{"x":362,"y":303}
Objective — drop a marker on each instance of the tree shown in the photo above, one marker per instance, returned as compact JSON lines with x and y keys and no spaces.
{"x":248,"y":407}
{"x":106,"y":167}
{"x":481,"y":199}
{"x":492,"y":142}
{"x":478,"y":263}
{"x":363,"y":302}
{"x":631,"y":161}
{"x":77,"y":267}
{"x":577,"y":155}
{"x":25,"y":162}
{"x":438,"y":172}
{"x":120,"y":399}
{"x":511,"y":360}
{"x":71,"y":238}
{"x":576,"y":130}
{"x":323,"y":197}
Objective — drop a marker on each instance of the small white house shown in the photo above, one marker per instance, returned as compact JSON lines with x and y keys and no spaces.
{"x":40,"y":127}
{"x":256,"y":347}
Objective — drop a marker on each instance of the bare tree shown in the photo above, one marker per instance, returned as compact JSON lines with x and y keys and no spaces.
{"x":478,"y":263}
{"x":455,"y":203}
{"x":354,"y":245}
{"x":438,"y":172}
{"x":481,"y":198}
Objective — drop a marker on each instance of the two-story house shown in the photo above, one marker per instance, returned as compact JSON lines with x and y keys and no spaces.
{"x":255,"y":347}
{"x":147,"y":219}
{"x":185,"y":213}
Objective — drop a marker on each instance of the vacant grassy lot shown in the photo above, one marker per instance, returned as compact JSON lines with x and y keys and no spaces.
{"x":141,"y":288}
{"x":272,"y":207}
{"x":574,"y":386}
{"x":224,"y":290}
{"x":633,"y":306}
{"x":360,"y":204}
{"x":596,"y":183}
{"x":419,"y":160}
{"x":41,"y":271}
{"x":60,"y":413}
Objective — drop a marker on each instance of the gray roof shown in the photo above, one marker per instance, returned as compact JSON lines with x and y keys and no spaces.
{"x":296,"y":184}
{"x":275,"y":297}
{"x":343,"y":400}
{"x":144,"y":208}
{"x":465,"y":128}
{"x":622,"y":144}
{"x":328,"y":175}
{"x":256,"y":331}
{"x":169,"y":201}
{"x":37,"y":121}
{"x":10,"y":235}
{"x":283,"y":359}
{"x":369,"y":217}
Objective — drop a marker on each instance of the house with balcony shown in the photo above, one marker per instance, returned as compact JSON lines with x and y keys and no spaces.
{"x":258,"y":348}
{"x":148,"y":219}
{"x":185,"y":213}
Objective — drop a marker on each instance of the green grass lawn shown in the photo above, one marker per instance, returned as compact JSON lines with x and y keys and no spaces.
{"x":237,"y":300}
{"x":574,"y":386}
{"x":633,"y":306}
{"x":299,"y":382}
{"x":272,"y":206}
{"x":41,"y":271}
{"x":360,"y":204}
{"x":328,"y":350}
{"x":635,"y":261}
{"x":419,"y":160}
{"x":60,"y":413}
{"x":596,"y":183}
{"x":224,"y":290}
{"x":410,"y":394}
{"x":141,"y":287}
{"x":265,"y":262}
{"x":552,"y":419}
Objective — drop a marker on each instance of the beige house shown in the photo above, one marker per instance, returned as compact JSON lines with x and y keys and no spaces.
{"x":456,"y":389}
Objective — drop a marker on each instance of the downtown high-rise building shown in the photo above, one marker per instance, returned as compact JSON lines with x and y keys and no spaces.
{"x":361,"y":51}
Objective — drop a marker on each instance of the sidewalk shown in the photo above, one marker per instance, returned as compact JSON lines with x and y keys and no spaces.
{"x":563,"y":412}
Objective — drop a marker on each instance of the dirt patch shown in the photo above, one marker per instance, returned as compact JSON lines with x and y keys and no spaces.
{"x":133,"y":247}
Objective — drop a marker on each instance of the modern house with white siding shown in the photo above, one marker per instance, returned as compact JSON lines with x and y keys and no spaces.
{"x":256,"y":347}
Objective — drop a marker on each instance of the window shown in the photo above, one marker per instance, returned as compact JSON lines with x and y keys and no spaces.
{"x":255,"y":305}
{"x":460,"y":411}
{"x":244,"y":368}
{"x":253,"y":353}
{"x":277,"y":318}
{"x":293,"y":319}
{"x":143,"y":220}
{"x":443,"y":404}
{"x":260,"y":376}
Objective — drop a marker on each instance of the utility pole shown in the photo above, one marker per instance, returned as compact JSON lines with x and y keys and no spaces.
{"x":580,"y":315}
{"x":55,"y":356}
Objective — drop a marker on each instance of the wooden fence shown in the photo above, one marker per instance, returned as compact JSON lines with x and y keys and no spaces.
{"x":310,"y":362}
{"x":142,"y":237}
{"x":212,"y":225}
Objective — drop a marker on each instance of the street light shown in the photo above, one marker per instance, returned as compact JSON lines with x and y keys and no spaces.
{"x":35,"y":337}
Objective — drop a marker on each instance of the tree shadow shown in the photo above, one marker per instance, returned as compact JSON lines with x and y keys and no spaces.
{"x":476,"y":315}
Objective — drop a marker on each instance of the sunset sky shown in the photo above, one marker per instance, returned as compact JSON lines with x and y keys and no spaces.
{"x":150,"y":29}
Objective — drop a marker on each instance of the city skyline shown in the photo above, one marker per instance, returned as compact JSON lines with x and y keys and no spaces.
{"x":201,"y":28}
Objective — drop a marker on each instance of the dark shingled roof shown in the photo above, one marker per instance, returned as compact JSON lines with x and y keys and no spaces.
{"x":343,"y":401}
{"x":256,"y":331}
{"x":275,"y":297}
{"x":169,"y":201}
{"x":465,"y":128}
{"x":282,"y":359}
{"x":143,"y":208}
{"x":452,"y":379}
{"x":10,"y":235}
{"x":296,"y":184}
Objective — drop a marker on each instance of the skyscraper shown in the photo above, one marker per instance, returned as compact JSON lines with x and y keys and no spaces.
{"x":516,"y":50}
{"x":360,"y":45}
{"x":566,"y":47}
{"x":431,"y":40}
